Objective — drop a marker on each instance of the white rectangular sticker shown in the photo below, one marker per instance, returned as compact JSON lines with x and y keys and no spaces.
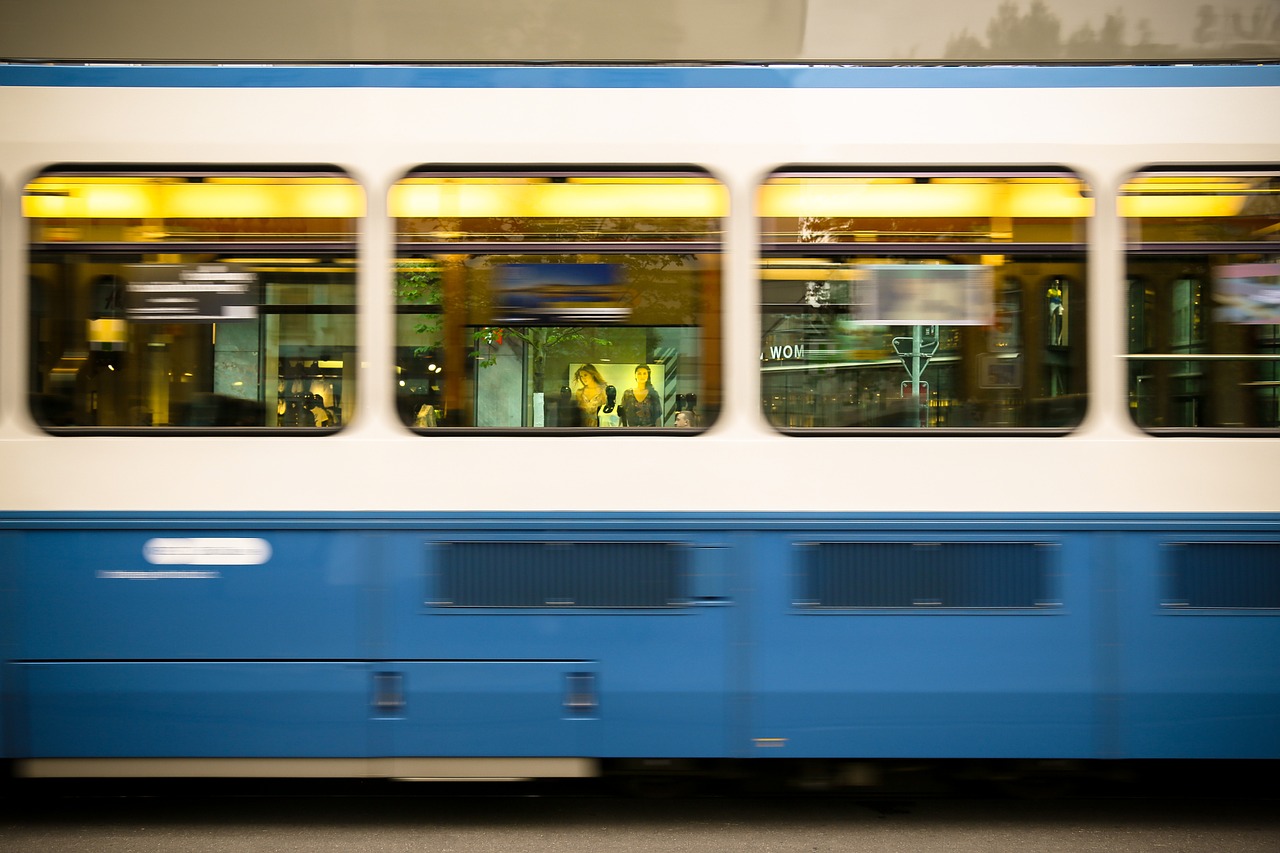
{"x":207,"y":552}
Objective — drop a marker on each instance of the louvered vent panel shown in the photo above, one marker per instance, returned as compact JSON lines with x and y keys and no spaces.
{"x":1224,"y":575}
{"x":962,"y":575}
{"x":561,"y":574}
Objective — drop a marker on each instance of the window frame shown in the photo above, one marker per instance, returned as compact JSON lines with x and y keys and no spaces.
{"x":708,"y":294}
{"x":1075,"y":252}
{"x":315,"y":249}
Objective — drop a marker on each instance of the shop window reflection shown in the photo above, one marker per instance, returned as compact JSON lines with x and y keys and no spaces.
{"x":186,"y":309}
{"x":1203,"y":286}
{"x":886,"y":329}
{"x":518,"y":285}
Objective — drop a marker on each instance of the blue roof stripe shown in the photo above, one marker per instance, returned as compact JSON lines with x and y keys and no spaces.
{"x":637,"y":77}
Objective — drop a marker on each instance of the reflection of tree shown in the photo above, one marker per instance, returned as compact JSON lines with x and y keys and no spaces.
{"x":457,"y":286}
{"x":1035,"y":33}
{"x":1229,"y":25}
{"x":1012,"y":33}
{"x":419,"y":283}
{"x":656,"y":289}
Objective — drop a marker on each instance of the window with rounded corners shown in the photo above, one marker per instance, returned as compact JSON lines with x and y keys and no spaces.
{"x":176,"y":299}
{"x":1203,"y":266}
{"x":926,"y":300}
{"x":558,"y":299}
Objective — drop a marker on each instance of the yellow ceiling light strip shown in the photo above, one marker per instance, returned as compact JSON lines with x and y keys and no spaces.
{"x":1178,"y":206}
{"x":141,"y":198}
{"x":941,"y":198}
{"x":1179,"y":196}
{"x":436,"y":198}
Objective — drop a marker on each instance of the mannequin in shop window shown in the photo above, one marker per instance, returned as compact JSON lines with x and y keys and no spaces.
{"x":591,"y":394}
{"x":641,"y":406}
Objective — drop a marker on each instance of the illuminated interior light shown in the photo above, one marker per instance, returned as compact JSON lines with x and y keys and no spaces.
{"x":831,"y":272}
{"x":1178,"y":206}
{"x":939,"y":198}
{"x":162,"y":198}
{"x":1170,"y":196}
{"x":264,"y":261}
{"x":464,"y":198}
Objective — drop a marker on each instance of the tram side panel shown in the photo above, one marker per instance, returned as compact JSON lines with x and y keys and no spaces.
{"x":203,"y":642}
{"x":571,"y":640}
{"x":925,"y":643}
{"x":9,"y":628}
{"x":1198,"y":669}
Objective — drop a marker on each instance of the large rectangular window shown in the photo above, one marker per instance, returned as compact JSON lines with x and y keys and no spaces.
{"x":1203,"y":266}
{"x":936,"y":300}
{"x":558,"y":299}
{"x":186,"y":299}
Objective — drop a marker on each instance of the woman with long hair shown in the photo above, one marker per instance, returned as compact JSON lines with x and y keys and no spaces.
{"x":641,"y":405}
{"x":590,"y":393}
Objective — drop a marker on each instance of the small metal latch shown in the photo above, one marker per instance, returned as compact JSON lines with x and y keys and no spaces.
{"x":388,"y":693}
{"x":580,"y":695}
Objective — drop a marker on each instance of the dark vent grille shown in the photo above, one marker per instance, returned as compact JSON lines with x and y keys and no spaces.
{"x":1226,"y":575}
{"x":561,"y":574}
{"x":958,"y":575}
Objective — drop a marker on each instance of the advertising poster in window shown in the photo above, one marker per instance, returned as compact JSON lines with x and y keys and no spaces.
{"x":1247,"y":294}
{"x":559,"y":295}
{"x":618,"y":394}
{"x":923,"y":295}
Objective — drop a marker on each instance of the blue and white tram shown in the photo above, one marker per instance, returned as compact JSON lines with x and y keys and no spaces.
{"x":493,"y":422}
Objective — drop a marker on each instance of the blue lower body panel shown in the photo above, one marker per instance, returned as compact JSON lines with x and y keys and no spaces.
{"x":601,"y":636}
{"x":193,"y":709}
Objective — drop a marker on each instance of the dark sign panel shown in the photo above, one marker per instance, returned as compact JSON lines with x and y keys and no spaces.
{"x":190,"y":293}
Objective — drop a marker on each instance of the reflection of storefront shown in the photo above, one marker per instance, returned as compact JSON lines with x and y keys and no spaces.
{"x":209,"y":315}
{"x":911,"y":300}
{"x":536,"y":307}
{"x":1204,"y":299}
{"x":855,"y":393}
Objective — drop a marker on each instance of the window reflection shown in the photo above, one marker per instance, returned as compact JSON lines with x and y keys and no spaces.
{"x":1204,"y":299}
{"x":577,"y":300}
{"x":201,"y":299}
{"x":923,"y":300}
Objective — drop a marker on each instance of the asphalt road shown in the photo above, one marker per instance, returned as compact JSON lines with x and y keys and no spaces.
{"x":393,"y":818}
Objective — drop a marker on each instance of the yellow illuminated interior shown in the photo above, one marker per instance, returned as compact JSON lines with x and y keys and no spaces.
{"x":639,"y":197}
{"x":215,"y":197}
{"x":959,"y":197}
{"x":1178,"y":196}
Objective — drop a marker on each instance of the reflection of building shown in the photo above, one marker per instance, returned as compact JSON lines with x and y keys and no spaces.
{"x":821,"y":369}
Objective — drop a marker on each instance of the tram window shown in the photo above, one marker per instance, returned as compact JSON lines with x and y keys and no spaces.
{"x":192,"y":298}
{"x":933,"y":300}
{"x":561,"y":299}
{"x":1204,"y":299}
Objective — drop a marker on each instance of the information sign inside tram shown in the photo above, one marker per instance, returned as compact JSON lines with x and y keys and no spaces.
{"x":923,"y":295}
{"x":190,"y":293}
